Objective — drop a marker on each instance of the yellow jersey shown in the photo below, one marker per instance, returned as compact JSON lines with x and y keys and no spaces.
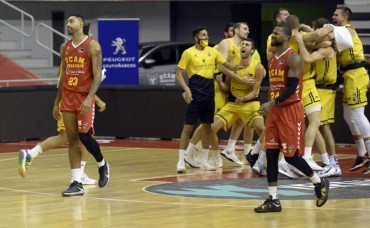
{"x":238,"y":89}
{"x":352,"y":55}
{"x":200,"y":62}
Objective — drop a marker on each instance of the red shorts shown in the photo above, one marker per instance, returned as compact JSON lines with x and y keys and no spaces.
{"x":285,"y":129}
{"x":71,"y":102}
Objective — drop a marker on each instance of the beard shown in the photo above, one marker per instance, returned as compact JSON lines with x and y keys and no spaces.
{"x":275,"y":43}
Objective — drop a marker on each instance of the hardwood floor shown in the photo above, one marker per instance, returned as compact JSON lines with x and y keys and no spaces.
{"x":36,"y":201}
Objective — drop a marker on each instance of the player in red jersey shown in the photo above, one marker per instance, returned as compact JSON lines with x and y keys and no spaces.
{"x":81,"y":72}
{"x":285,"y":120}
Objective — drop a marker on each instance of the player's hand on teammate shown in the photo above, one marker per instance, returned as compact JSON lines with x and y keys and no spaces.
{"x":249,"y":81}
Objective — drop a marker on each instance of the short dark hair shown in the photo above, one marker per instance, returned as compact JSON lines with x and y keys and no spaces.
{"x":277,"y":12}
{"x":78,"y":16}
{"x":196,"y":30}
{"x":228,"y":25}
{"x":319,"y":23}
{"x":252,"y":41}
{"x":292,"y":21}
{"x":237,"y":25}
{"x":286,"y":29}
{"x":86,"y":28}
{"x":346,"y":11}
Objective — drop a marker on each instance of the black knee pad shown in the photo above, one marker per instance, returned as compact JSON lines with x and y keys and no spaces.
{"x":85,"y":137}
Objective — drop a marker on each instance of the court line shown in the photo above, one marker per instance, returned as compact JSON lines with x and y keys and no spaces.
{"x":58,"y":155}
{"x":181,"y":203}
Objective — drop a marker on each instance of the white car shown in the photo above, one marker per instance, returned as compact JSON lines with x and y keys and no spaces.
{"x":158,"y":62}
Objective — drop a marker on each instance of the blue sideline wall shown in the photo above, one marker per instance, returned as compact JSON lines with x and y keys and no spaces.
{"x":26,"y":113}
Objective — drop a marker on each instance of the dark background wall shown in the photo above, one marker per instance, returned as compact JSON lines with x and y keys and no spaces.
{"x":26,"y":113}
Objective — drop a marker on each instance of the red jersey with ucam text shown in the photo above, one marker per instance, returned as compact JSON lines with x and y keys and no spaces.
{"x":278,"y":74}
{"x":78,"y":74}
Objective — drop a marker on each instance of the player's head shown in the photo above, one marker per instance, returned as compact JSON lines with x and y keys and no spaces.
{"x":241,"y":29}
{"x":75,"y":23}
{"x":280,"y":35}
{"x":247,"y":48}
{"x":342,"y":15}
{"x":292,"y":21}
{"x":319,"y":23}
{"x":229,"y":30}
{"x":200,"y":36}
{"x":280,"y":15}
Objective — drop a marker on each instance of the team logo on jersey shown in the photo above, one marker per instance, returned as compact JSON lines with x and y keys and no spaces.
{"x":80,"y":50}
{"x":120,"y":44}
{"x":281,"y":62}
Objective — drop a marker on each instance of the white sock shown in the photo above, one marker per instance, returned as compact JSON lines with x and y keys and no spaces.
{"x":189,"y":151}
{"x":333,"y":160}
{"x":361,"y":149}
{"x":315,"y":178}
{"x":247,"y":148}
{"x":76,"y":175}
{"x":261,"y":157}
{"x":182,"y":155}
{"x":273,"y":192}
{"x":231,"y":145}
{"x":102,"y":163}
{"x":205,"y":155}
{"x":282,"y":158}
{"x":325,"y":158}
{"x":367,"y":144}
{"x":83,"y":164}
{"x":307,"y":152}
{"x":34,"y":152}
{"x":257,"y":147}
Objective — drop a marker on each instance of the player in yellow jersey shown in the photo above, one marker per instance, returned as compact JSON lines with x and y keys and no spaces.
{"x":230,"y":49}
{"x":356,"y":79}
{"x":27,"y":156}
{"x":326,"y":76}
{"x":193,"y":150}
{"x":244,"y":98}
{"x":200,"y":63}
{"x":310,"y":98}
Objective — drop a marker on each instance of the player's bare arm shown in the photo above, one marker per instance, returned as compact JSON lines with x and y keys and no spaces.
{"x":180,"y":80}
{"x":318,"y":35}
{"x":96,"y":60}
{"x":101,"y":104}
{"x":308,"y":57}
{"x":260,"y":71}
{"x":236,"y":77}
{"x":223,"y":48}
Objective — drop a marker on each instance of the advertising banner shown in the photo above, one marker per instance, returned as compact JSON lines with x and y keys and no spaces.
{"x":119,"y":39}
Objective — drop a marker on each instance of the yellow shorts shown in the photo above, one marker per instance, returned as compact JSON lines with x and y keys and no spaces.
{"x":310,"y":96}
{"x":232,"y":111}
{"x":328,"y":105}
{"x":355,"y":87}
{"x":220,"y":97}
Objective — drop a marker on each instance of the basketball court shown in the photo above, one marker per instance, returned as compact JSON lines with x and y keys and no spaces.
{"x":146,"y":191}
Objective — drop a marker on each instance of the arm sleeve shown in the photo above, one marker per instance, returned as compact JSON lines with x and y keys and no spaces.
{"x":292,"y":84}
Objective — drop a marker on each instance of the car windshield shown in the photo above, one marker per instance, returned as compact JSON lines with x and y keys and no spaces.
{"x":144,"y":49}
